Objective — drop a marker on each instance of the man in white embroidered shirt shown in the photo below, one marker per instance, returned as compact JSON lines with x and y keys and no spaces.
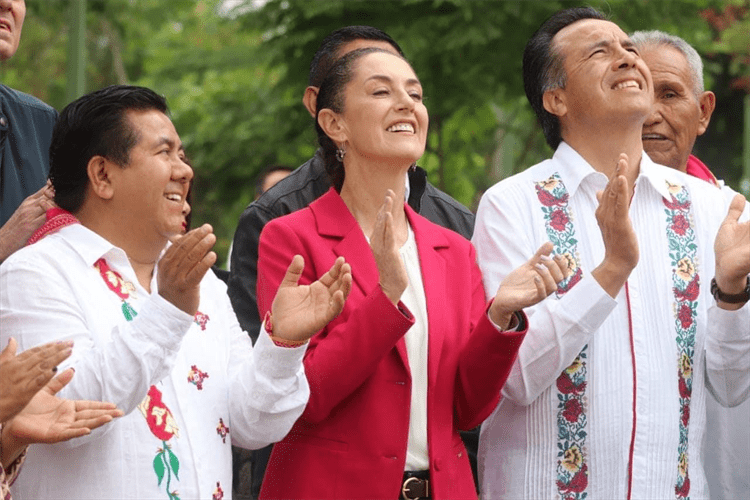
{"x":607,"y":396}
{"x":153,"y":332}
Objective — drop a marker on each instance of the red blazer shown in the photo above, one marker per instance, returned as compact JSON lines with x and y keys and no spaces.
{"x":351,"y":440}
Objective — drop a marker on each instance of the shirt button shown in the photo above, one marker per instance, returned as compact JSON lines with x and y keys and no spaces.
{"x":3,"y":121}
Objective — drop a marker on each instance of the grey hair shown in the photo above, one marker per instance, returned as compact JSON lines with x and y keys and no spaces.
{"x":554,"y":76}
{"x":643,"y":39}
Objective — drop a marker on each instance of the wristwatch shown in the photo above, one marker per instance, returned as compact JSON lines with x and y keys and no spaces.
{"x":736,"y":298}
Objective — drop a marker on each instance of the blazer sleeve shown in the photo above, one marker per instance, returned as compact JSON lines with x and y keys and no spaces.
{"x":487,"y":356}
{"x":344,"y":354}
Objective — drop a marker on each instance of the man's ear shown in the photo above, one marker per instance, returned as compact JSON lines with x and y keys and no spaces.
{"x":707,"y":102}
{"x":554,"y":102}
{"x":98,"y":170}
{"x":333,"y":125}
{"x":310,"y":99}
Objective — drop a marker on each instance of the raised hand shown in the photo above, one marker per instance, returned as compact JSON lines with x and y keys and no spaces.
{"x":27,"y":218}
{"x":184,"y":265}
{"x":391,"y":269}
{"x":300,"y":311}
{"x":621,"y":252}
{"x":528,"y":284}
{"x":732,"y":251}
{"x":23,"y":375}
{"x":50,"y":419}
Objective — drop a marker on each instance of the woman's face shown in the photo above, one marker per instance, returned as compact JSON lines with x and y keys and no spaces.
{"x":384,"y":118}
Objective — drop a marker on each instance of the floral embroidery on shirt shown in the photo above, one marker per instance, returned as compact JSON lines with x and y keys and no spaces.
{"x":164,"y":427}
{"x":218,"y":492}
{"x":196,"y":377}
{"x":117,"y":284}
{"x":572,"y":469}
{"x":685,"y":287}
{"x":222,"y":430}
{"x":201,"y":320}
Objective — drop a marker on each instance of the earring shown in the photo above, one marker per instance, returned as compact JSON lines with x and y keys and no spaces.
{"x":340,"y":153}
{"x":413,"y":167}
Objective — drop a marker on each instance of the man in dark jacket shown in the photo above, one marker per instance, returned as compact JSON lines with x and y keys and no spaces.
{"x":307,"y":183}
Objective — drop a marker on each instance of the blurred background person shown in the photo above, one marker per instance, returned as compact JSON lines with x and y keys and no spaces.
{"x":25,"y":132}
{"x":682,"y":112}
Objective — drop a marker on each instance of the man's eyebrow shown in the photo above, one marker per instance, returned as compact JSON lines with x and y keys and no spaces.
{"x":169,"y":142}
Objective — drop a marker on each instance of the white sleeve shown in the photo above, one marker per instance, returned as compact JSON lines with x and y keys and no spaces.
{"x":728,"y":344}
{"x":558,"y":328}
{"x":39,"y":305}
{"x":268,"y":387}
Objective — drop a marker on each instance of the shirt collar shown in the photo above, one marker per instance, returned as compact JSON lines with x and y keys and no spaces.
{"x":660,"y":177}
{"x":573,"y":167}
{"x":91,"y":246}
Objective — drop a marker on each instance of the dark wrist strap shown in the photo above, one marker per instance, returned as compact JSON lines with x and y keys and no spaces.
{"x":737,"y":298}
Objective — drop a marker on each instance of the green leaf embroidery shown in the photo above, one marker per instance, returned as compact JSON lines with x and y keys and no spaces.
{"x":159,"y":467}
{"x":174,"y":463}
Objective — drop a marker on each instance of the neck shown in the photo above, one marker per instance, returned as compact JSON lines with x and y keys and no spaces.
{"x":601,"y":148}
{"x":364,"y":190}
{"x":141,"y":253}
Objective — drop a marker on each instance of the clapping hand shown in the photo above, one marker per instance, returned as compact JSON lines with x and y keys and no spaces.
{"x":25,"y":374}
{"x":385,"y":249}
{"x":300,"y":311}
{"x":528,"y":284}
{"x":732,"y":252}
{"x":50,"y":419}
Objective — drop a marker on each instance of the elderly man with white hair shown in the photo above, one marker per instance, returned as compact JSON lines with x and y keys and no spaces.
{"x":682,"y":111}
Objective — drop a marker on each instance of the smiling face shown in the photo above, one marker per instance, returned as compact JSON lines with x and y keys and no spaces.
{"x":606,"y":80}
{"x":12,"y":14}
{"x":678,"y":115}
{"x":150,"y":192}
{"x":384,"y":118}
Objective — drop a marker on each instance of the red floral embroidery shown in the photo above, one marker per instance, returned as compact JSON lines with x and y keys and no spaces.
{"x":218,"y":492}
{"x":114,"y":280}
{"x":158,"y":416}
{"x":684,"y":490}
{"x":558,"y":220}
{"x":548,"y":199}
{"x":578,"y":484}
{"x":690,"y":293}
{"x":573,"y":410}
{"x":201,"y":320}
{"x":680,"y":224}
{"x":685,"y":391}
{"x":222,"y":430}
{"x":196,"y":377}
{"x":566,"y":386}
{"x":685,"y":315}
{"x":685,"y":414}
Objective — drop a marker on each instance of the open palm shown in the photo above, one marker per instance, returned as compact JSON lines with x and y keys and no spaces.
{"x":300,"y":311}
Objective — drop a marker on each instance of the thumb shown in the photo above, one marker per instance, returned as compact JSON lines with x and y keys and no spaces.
{"x":56,"y":384}
{"x":293,"y":272}
{"x":10,"y":350}
{"x":545,"y":249}
{"x":735,"y":208}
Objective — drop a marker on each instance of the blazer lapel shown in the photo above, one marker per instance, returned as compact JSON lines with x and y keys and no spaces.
{"x":334,"y":220}
{"x":430,"y":245}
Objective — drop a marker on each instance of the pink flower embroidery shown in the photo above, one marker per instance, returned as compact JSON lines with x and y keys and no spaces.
{"x":685,"y":316}
{"x":573,"y":410}
{"x":680,"y":224}
{"x":218,"y":492}
{"x":158,"y":416}
{"x":222,"y":430}
{"x":201,"y":320}
{"x":558,"y":220}
{"x":196,"y":377}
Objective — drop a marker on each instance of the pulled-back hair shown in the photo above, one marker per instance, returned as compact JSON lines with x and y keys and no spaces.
{"x":329,"y":49}
{"x":543,"y":68}
{"x":95,"y":125}
{"x":331,"y":96}
{"x":655,"y":38}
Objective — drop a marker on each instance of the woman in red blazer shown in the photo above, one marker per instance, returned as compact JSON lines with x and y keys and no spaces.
{"x":416,"y":354}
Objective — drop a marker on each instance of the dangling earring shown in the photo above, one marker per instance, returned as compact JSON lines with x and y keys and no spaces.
{"x":340,"y":153}
{"x":413,"y":167}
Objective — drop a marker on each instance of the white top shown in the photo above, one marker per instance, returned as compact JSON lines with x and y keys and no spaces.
{"x":552,"y":436}
{"x":207,"y":388}
{"x":417,"y":456}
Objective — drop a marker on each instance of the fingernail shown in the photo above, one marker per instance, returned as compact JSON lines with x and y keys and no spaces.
{"x":546,"y":258}
{"x":539,"y":266}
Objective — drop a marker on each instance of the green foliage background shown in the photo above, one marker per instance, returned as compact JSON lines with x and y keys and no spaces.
{"x":234,"y":78}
